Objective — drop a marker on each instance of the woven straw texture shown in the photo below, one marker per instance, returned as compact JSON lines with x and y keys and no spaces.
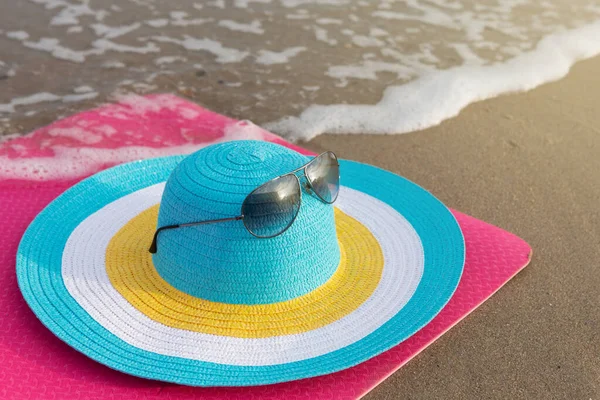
{"x":131,"y":272}
{"x":86,"y":280}
{"x":222,"y":262}
{"x":65,"y":282}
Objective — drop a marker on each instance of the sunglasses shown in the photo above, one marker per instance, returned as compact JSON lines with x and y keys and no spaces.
{"x":270,"y":209}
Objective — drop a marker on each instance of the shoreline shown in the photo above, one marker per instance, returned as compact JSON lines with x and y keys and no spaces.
{"x":527,"y":163}
{"x":431,"y":99}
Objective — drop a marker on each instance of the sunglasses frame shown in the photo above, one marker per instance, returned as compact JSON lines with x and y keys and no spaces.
{"x":154,"y":248}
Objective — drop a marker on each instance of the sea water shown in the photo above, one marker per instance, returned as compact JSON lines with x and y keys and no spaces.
{"x":300,"y":68}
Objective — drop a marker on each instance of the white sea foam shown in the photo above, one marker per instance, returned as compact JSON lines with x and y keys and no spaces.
{"x":377,"y":32}
{"x":253,"y":27}
{"x":69,"y":13}
{"x":429,"y":15}
{"x":6,"y":70}
{"x":368,"y":70}
{"x":224,"y":54}
{"x":267,"y":57}
{"x":412,"y":54}
{"x":105,"y":44}
{"x":329,"y":21}
{"x":31,"y":99}
{"x":73,"y":162}
{"x":367,"y":41}
{"x":75,"y":29}
{"x":217,"y":4}
{"x":158,"y":23}
{"x":179,"y":18}
{"x":169,"y":60}
{"x":45,"y":97}
{"x":429,"y":100}
{"x":245,"y":3}
{"x":111,"y":32}
{"x":81,"y":135}
{"x":19,"y":35}
{"x":83,"y":89}
{"x":322,"y":35}
{"x":53,"y":46}
{"x":70,"y":98}
{"x":113,"y":64}
{"x":296,"y":3}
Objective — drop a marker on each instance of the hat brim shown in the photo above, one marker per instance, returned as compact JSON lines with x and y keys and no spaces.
{"x":40,"y":260}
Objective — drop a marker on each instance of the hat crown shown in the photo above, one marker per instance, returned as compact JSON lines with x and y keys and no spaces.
{"x":223,"y":262}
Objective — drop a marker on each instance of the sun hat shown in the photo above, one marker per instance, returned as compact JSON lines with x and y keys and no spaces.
{"x":216,"y":306}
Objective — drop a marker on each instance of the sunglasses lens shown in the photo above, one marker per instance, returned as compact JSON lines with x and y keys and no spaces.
{"x":271,"y":208}
{"x":324,"y":176}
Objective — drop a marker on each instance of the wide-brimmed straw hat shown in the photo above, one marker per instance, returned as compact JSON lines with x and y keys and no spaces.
{"x":217,"y":306}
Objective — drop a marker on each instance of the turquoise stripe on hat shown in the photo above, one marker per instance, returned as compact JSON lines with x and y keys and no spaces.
{"x":223,"y":262}
{"x":40,"y":280}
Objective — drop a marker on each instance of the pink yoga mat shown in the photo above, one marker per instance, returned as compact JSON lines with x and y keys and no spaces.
{"x":38,"y":167}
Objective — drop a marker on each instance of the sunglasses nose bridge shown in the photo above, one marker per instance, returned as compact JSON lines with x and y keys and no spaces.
{"x":300,"y":174}
{"x":303,"y":180}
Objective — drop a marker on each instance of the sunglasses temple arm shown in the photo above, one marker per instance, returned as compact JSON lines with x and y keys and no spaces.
{"x":153,"y":247}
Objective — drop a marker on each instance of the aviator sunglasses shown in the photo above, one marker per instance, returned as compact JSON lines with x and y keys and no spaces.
{"x":270,"y":209}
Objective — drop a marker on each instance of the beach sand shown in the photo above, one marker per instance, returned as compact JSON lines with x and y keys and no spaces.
{"x":528,"y":163}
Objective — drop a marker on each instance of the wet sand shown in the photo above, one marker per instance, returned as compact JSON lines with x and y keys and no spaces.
{"x":269,"y":59}
{"x":528,"y":163}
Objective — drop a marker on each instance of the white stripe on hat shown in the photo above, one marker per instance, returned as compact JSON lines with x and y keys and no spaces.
{"x":85,"y":277}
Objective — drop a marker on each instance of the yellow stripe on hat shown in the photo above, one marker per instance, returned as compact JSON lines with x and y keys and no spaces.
{"x":129,"y":267}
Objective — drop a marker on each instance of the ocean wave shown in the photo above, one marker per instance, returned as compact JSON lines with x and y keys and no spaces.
{"x":437,"y":96}
{"x":299,"y":67}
